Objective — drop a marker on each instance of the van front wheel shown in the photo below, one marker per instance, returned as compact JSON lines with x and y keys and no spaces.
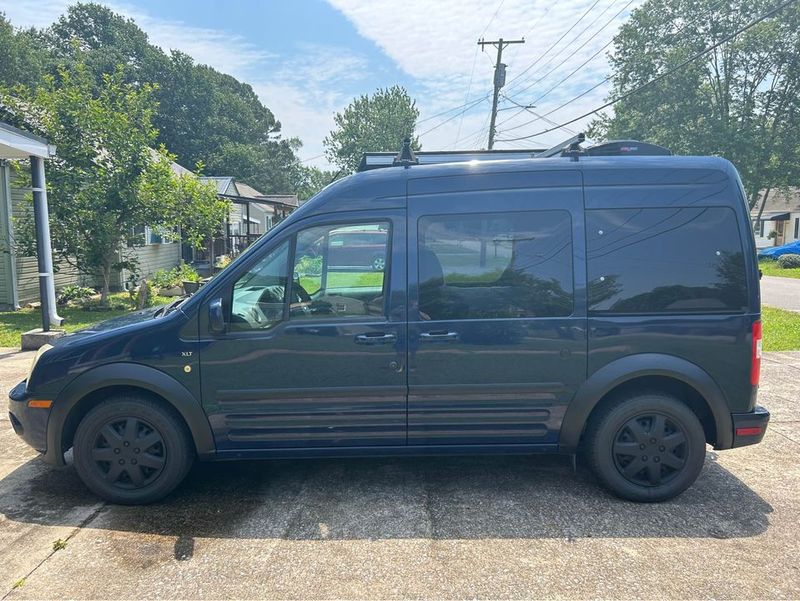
{"x":132,"y":450}
{"x":646,"y":448}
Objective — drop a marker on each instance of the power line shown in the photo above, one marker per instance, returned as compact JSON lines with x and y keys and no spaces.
{"x":469,"y":89}
{"x":673,"y":37}
{"x":658,"y":78}
{"x":591,"y":58}
{"x":455,"y":108}
{"x":468,"y":107}
{"x":541,"y":56}
{"x":574,"y":52}
{"x":529,"y":108}
{"x":494,"y":16}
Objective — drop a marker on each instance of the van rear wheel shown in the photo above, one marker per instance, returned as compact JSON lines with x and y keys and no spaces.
{"x":647,"y":448}
{"x":131,"y":450}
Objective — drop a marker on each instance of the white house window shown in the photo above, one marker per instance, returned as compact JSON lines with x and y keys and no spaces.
{"x":150,"y":235}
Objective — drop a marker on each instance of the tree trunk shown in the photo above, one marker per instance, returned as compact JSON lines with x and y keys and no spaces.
{"x":106,"y":275}
{"x":763,"y":204}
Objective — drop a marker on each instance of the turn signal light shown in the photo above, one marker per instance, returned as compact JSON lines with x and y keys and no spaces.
{"x":39,"y":404}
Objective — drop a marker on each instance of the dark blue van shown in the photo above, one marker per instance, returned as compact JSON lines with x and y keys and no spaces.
{"x":606,"y":305}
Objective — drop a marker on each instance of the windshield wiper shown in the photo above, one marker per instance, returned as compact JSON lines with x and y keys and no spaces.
{"x":167,"y":309}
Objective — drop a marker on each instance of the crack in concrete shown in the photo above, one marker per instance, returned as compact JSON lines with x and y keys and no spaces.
{"x":89,"y":519}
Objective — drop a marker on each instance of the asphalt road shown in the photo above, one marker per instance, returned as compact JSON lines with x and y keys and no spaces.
{"x":783,"y":293}
{"x":499,"y":527}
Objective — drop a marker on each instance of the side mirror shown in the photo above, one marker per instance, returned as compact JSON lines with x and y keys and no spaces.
{"x":216,"y":317}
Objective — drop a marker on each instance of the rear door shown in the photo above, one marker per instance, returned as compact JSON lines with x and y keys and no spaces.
{"x":497,"y":326}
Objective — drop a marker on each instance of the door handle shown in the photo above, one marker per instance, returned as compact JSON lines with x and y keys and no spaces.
{"x":377,"y":338}
{"x":438,"y":336}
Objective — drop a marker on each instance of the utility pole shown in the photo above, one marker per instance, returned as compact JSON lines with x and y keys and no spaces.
{"x":499,"y":76}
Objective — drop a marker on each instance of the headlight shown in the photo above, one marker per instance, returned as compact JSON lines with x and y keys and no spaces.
{"x":42,"y":350}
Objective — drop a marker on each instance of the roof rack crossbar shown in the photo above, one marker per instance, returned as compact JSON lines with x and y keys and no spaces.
{"x":559,"y":148}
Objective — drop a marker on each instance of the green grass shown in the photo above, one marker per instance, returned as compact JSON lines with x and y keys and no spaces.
{"x":14,"y":323}
{"x":781,"y":329}
{"x":343,"y":279}
{"x":770,"y":267}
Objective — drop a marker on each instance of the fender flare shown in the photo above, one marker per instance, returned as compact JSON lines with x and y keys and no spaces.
{"x":628,"y":368}
{"x":128,"y":374}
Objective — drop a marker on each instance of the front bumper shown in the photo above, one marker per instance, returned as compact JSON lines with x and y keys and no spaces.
{"x":30,"y":423}
{"x":749,"y":428}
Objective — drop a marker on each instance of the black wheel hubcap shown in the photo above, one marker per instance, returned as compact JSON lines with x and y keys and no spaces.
{"x":650,"y":449}
{"x":129,"y":452}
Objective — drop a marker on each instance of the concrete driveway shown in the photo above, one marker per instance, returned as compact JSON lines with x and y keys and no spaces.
{"x":499,"y":527}
{"x":783,"y":293}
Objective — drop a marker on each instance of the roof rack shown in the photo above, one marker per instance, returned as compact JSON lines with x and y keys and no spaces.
{"x":406,"y":156}
{"x":570,"y":147}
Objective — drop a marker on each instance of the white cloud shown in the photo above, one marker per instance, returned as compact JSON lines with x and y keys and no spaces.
{"x":435,"y":44}
{"x":306,"y":92}
{"x":303,"y":93}
{"x":432,"y":42}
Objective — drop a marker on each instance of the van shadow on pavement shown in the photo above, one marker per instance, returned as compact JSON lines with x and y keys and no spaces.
{"x":433,"y":497}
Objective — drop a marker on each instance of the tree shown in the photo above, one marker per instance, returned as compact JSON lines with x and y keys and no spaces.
{"x":271,"y":167}
{"x":313,"y":179}
{"x":372,"y":124}
{"x":23,"y":61}
{"x":199,"y":109}
{"x":741,"y":101}
{"x":200,"y":112}
{"x":107,"y":183}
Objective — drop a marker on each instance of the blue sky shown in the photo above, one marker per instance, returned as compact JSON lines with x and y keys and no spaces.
{"x":307,"y":59}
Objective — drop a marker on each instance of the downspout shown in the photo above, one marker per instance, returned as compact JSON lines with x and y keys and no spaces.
{"x":7,"y":233}
{"x":44,"y":252}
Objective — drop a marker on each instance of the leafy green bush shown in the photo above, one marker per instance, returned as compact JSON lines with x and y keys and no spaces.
{"x":164,"y":279}
{"x":187,"y":273}
{"x":790,"y":261}
{"x":309,"y":265}
{"x":73,"y":292}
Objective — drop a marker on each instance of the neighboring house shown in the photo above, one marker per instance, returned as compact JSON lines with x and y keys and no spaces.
{"x":781,"y":215}
{"x":19,"y":273}
{"x":266,"y":209}
{"x":252,"y":213}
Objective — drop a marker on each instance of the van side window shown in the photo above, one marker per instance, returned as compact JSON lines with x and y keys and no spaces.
{"x":679,"y":260}
{"x":259,"y":295}
{"x":498,"y":265}
{"x":340,"y":271}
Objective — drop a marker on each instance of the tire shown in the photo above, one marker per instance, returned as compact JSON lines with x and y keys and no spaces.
{"x":131,"y":450}
{"x":378,"y":263}
{"x":646,"y":448}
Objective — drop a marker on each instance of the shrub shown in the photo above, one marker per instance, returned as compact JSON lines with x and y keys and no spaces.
{"x":164,"y":278}
{"x":309,"y":265}
{"x":790,"y":261}
{"x":187,"y":273}
{"x":73,"y":292}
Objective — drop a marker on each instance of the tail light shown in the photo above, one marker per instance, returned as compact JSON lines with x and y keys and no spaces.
{"x":755,"y":365}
